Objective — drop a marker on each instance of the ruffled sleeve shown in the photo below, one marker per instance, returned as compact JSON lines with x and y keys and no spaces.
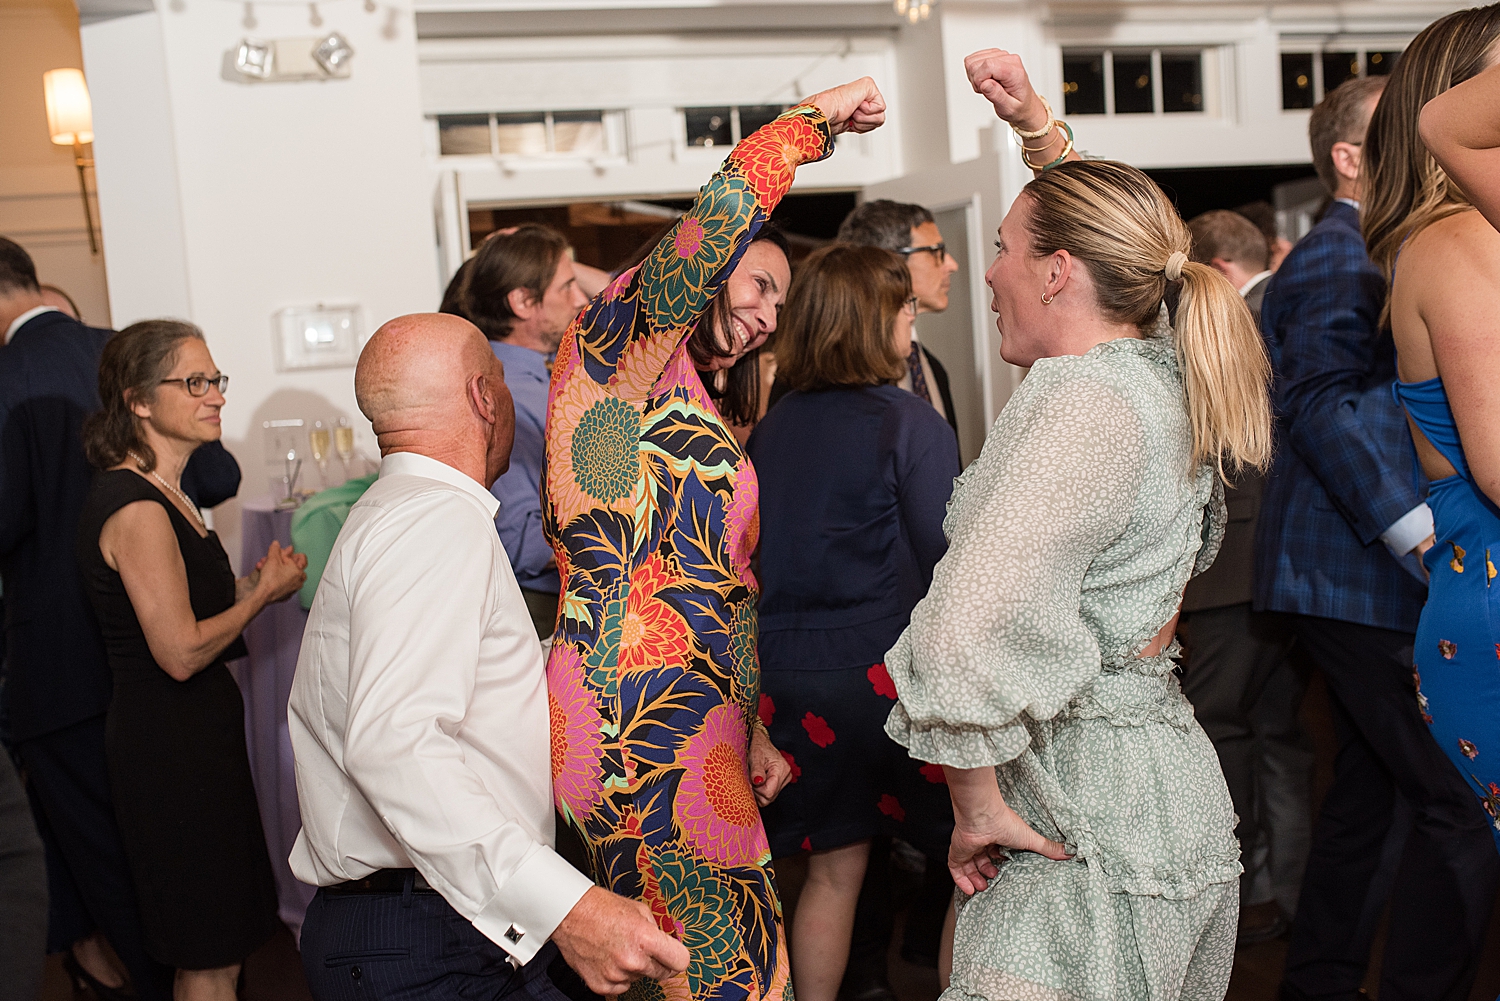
{"x":1000,"y":634}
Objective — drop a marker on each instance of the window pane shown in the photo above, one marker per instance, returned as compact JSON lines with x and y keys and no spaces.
{"x":1083,"y":83}
{"x":1380,"y":63}
{"x":1181,"y":81}
{"x":1338,"y":67}
{"x":1296,"y":80}
{"x":522,"y":135}
{"x":1133,"y":85}
{"x":578,"y":132}
{"x":753,"y":116}
{"x":708,"y":126}
{"x":464,"y":134}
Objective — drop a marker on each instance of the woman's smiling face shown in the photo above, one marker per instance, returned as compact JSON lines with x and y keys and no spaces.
{"x":757,"y":288}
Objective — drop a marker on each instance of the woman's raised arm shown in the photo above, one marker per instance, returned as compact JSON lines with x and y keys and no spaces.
{"x":1461,"y":127}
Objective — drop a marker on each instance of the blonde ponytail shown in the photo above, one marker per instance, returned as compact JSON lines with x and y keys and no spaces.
{"x":1225,"y":373}
{"x":1116,"y":221}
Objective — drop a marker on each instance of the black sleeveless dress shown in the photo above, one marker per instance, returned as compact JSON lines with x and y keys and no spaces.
{"x":179,"y":772}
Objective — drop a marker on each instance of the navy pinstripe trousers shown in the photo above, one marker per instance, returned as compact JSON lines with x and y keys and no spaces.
{"x":410,"y":947}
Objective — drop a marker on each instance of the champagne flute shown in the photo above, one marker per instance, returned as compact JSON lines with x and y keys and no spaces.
{"x":343,"y":441}
{"x":318,"y":438}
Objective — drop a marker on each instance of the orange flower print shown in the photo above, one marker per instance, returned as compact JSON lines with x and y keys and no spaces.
{"x":1416,"y":679}
{"x":1457,"y":563}
{"x":1467,"y":749}
{"x":1447,"y":648}
{"x":770,"y":156}
{"x":653,"y":633}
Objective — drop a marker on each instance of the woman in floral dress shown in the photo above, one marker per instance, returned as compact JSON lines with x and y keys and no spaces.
{"x":649,"y":503}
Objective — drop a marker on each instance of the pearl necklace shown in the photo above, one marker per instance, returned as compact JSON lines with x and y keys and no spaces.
{"x":178,"y":493}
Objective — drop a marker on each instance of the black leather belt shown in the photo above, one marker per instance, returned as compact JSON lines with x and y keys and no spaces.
{"x":384,"y":881}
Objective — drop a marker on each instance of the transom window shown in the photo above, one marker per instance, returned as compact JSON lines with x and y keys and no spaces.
{"x":726,"y":125}
{"x":1308,"y":74}
{"x":1132,"y":81}
{"x":526,"y":134}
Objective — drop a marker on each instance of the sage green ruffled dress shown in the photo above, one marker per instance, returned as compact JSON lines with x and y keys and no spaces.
{"x":1071,"y":538}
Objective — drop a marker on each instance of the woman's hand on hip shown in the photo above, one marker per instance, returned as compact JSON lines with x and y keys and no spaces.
{"x":985,"y":827}
{"x":769,"y":771}
{"x":853,"y":107}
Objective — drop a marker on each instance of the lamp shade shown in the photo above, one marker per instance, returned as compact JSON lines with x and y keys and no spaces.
{"x":70,"y":116}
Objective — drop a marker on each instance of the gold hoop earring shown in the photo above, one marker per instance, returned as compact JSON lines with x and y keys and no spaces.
{"x":1046,"y":300}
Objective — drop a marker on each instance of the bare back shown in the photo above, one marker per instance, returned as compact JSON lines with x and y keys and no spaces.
{"x":1445,"y":318}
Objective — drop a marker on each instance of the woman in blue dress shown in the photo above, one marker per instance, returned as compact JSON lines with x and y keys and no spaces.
{"x":1443,"y":261}
{"x":854,"y":474}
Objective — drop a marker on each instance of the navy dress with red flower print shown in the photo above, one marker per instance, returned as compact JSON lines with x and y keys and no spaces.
{"x":1457,"y":661}
{"x":649,"y":504}
{"x":854,"y":482}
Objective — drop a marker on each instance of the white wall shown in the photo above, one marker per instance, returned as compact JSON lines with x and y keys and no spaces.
{"x":225,"y":201}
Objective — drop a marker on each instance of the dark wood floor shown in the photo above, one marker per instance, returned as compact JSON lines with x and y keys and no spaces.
{"x":275,"y":972}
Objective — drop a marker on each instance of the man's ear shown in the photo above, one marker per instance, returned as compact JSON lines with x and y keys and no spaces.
{"x":1223,"y":267}
{"x":522,"y":303}
{"x":481,"y":399}
{"x":1346,"y":157}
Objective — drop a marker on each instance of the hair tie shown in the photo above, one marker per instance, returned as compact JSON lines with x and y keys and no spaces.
{"x":1173,"y":270}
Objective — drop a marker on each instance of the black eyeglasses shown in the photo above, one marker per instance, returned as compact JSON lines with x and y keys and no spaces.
{"x":197,"y":385}
{"x":939,"y":251}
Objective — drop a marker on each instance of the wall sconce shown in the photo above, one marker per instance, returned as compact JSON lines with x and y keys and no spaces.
{"x":70,"y":122}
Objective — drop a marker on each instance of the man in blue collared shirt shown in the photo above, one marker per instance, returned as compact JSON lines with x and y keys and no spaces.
{"x":521,"y":291}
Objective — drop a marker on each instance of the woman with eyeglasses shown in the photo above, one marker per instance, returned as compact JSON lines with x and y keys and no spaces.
{"x":171,"y":612}
{"x":854,"y":477}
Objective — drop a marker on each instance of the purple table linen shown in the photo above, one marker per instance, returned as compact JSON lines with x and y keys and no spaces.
{"x":265,"y":679}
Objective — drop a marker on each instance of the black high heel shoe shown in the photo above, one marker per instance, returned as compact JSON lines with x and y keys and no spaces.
{"x":84,"y":980}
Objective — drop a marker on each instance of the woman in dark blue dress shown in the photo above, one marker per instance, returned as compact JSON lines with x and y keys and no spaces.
{"x":854,"y":476}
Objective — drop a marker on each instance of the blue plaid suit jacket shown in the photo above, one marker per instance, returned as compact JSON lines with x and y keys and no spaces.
{"x":1344,"y":470}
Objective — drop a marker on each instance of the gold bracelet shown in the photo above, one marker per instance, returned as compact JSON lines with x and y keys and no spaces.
{"x":1067,"y":148}
{"x":1051,"y":121}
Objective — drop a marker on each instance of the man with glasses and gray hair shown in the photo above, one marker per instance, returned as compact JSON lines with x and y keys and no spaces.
{"x":911,"y":232}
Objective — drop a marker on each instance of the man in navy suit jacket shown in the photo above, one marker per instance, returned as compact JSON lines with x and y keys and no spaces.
{"x":1341,"y":528}
{"x":57,"y":683}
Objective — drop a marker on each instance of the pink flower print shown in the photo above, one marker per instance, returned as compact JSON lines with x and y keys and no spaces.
{"x":577,"y":744}
{"x":934,"y":774}
{"x":891,"y":807}
{"x":1447,"y":648}
{"x":881,"y":679}
{"x":689,"y":237}
{"x":715,"y":807}
{"x":766,"y":710}
{"x":1467,"y":749}
{"x":791,"y":763}
{"x":818,"y":730}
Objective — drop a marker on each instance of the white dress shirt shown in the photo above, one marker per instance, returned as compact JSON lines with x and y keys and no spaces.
{"x":419,"y":714}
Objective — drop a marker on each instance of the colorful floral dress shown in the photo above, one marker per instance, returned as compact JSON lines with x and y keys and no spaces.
{"x":650,"y":505}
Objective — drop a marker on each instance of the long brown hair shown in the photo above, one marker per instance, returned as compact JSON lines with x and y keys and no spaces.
{"x":840,"y":314}
{"x":1404,"y":190}
{"x":738,"y":399}
{"x":131,"y":369}
{"x":1116,"y":221}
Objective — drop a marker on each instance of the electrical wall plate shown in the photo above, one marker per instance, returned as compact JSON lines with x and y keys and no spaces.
{"x":316,"y":337}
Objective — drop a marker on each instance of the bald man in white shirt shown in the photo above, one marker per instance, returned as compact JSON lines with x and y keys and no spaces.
{"x":419,"y":720}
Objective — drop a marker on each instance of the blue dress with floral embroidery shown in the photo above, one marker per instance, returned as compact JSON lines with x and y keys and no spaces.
{"x":1457,"y":660}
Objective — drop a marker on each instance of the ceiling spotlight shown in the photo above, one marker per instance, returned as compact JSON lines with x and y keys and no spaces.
{"x":255,"y":59}
{"x":333,"y":53}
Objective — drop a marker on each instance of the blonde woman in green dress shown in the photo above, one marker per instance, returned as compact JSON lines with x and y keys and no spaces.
{"x":1038,"y":669}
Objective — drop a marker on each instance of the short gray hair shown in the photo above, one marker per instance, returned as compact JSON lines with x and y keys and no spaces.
{"x":883,"y":223}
